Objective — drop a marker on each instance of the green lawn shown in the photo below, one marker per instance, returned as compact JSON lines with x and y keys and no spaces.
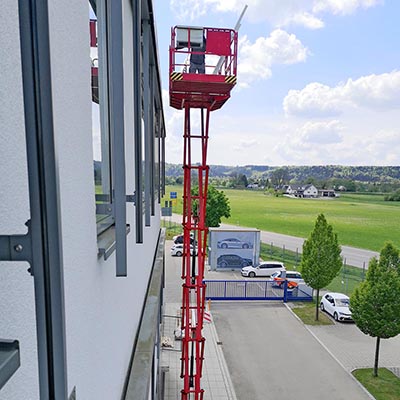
{"x":386,"y":386}
{"x":364,"y":221}
{"x":306,"y":312}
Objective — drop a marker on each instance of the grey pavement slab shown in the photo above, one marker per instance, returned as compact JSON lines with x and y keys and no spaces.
{"x":216,"y":380}
{"x":353,"y":349}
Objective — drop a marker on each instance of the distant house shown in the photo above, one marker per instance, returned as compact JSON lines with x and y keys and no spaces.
{"x":286,"y":189}
{"x":306,"y":191}
{"x":326,"y":193}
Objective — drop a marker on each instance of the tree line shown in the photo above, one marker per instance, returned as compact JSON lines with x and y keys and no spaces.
{"x":369,"y":179}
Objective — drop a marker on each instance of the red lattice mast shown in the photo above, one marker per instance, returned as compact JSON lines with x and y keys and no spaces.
{"x":204,"y":93}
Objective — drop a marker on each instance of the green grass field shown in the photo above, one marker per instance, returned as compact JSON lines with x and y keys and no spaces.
{"x":364,"y":221}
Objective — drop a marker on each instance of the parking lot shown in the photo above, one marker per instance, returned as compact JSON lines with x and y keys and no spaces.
{"x":270,"y":353}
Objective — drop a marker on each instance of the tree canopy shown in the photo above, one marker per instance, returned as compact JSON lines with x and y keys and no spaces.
{"x":217,"y":206}
{"x":375,"y":304}
{"x":321,"y":260}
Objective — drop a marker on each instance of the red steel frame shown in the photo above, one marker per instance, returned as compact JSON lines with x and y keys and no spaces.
{"x":205,"y":92}
{"x":193,"y":293}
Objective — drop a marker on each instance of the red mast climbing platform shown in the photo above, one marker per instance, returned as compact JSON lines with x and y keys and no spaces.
{"x":206,"y":92}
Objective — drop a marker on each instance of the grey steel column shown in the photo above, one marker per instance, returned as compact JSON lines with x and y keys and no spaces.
{"x":163,"y":159}
{"x":45,"y":225}
{"x":116,"y":102}
{"x":147,"y":99}
{"x":152,"y":138}
{"x":137,"y":82}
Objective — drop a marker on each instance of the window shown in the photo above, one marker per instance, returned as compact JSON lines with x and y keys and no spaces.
{"x":108,"y":129}
{"x":100,"y":115}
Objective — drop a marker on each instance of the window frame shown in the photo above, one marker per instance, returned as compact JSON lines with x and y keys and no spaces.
{"x":112,"y":235}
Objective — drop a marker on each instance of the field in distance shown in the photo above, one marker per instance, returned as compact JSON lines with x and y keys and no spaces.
{"x":360,"y":220}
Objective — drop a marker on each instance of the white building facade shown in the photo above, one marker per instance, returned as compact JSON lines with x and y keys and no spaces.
{"x":82,"y":294}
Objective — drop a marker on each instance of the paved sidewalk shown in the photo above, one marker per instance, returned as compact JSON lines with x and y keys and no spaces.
{"x":352,"y":349}
{"x":216,"y":380}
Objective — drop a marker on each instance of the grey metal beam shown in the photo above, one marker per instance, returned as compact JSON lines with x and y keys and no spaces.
{"x":16,"y":247}
{"x":163,"y":159}
{"x":116,"y":102}
{"x":159,"y":176}
{"x":147,"y":99}
{"x":137,"y":115}
{"x":152,"y":138}
{"x":47,"y":259}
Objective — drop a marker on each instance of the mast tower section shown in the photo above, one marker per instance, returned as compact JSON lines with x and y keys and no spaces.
{"x":207,"y":92}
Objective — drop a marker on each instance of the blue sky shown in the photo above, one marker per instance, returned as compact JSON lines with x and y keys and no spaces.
{"x":318,"y":81}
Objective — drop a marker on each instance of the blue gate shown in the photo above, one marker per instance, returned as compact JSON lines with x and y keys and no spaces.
{"x":255,"y":290}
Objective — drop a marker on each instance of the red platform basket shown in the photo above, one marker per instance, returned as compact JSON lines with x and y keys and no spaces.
{"x":214,"y":86}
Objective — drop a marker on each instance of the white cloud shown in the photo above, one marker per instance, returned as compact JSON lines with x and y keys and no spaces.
{"x":189,"y":10}
{"x":256,"y":59}
{"x":343,"y":7}
{"x":278,"y":13}
{"x":307,"y":20}
{"x":245,"y":144}
{"x":378,"y":92}
{"x":323,"y":132}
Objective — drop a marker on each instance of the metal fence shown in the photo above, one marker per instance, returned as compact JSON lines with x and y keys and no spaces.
{"x":255,"y":290}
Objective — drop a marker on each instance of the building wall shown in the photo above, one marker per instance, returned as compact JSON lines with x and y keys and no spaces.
{"x":102,"y":311}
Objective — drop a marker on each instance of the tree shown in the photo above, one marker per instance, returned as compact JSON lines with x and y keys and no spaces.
{"x":280,"y":176}
{"x":242,"y":180}
{"x":375,"y":304}
{"x":321,"y":260}
{"x":217,"y":206}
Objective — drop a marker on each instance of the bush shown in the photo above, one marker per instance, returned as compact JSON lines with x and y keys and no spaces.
{"x":395,"y":196}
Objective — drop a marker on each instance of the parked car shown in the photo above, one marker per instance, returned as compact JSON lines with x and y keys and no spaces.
{"x":233,"y":260}
{"x":177,"y":250}
{"x":337,"y":305}
{"x":293,"y":279}
{"x":178,"y":239}
{"x":234,"y":243}
{"x":266,"y":268}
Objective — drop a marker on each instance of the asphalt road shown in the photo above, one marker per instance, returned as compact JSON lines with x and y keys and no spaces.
{"x":352,"y":256}
{"x":271,"y":355}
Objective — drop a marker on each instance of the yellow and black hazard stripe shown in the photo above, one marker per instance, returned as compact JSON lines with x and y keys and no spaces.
{"x":176,"y":76}
{"x":230,"y":79}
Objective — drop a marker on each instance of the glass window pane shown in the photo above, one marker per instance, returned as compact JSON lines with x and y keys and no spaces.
{"x":100,"y":123}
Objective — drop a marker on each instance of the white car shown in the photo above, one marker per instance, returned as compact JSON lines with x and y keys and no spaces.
{"x":266,"y":268}
{"x":337,"y":305}
{"x":177,"y":250}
